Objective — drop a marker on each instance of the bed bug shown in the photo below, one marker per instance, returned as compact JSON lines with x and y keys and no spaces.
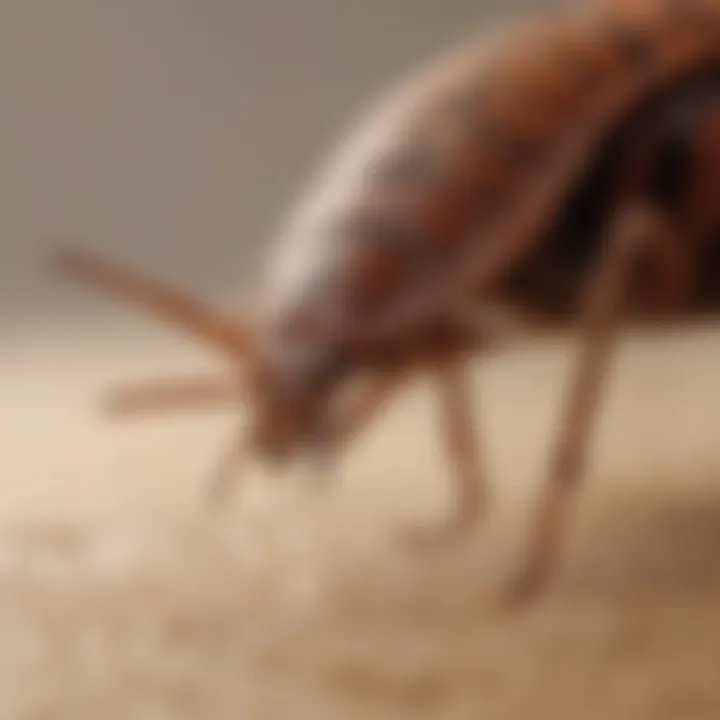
{"x":560,"y":168}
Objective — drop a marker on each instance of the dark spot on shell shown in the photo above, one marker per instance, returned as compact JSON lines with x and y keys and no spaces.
{"x":635,"y":46}
{"x":672,"y":163}
{"x":410,"y":164}
{"x":324,"y":367}
{"x":514,"y":147}
{"x":389,"y":231}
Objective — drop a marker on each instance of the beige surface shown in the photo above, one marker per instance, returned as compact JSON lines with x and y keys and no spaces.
{"x":119,"y":598}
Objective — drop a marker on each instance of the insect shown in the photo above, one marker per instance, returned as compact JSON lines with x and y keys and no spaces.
{"x":561,"y":169}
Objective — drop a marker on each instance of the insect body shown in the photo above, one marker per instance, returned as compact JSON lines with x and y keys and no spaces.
{"x":558,"y":168}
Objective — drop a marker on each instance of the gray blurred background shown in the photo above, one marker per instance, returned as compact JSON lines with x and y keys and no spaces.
{"x":175,"y":133}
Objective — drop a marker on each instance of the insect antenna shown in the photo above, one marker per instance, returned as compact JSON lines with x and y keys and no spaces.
{"x":225,"y":334}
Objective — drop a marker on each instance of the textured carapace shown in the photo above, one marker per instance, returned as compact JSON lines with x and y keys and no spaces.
{"x":479,"y":157}
{"x":480,"y":183}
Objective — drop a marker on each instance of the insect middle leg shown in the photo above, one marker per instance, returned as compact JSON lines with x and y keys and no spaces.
{"x":453,"y":385}
{"x":634,"y":232}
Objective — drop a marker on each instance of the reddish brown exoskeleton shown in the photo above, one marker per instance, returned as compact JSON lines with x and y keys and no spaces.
{"x":563,"y":168}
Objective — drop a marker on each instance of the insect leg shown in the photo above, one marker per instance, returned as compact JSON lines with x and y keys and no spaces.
{"x":189,"y":392}
{"x":453,"y":385}
{"x":601,"y":318}
{"x":364,"y":405}
{"x":227,"y":472}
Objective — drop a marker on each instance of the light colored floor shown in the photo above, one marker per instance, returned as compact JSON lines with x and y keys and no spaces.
{"x":121,"y":598}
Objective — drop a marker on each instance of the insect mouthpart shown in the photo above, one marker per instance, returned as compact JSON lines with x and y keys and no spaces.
{"x":292,"y":407}
{"x":286,"y":439}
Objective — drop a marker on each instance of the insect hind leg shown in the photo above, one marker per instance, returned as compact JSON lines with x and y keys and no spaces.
{"x":634,"y":232}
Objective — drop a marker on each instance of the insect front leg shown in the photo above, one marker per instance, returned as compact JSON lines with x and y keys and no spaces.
{"x":227,"y":473}
{"x":365,"y":404}
{"x":173,"y":394}
{"x":453,"y":385}
{"x":632,"y":234}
